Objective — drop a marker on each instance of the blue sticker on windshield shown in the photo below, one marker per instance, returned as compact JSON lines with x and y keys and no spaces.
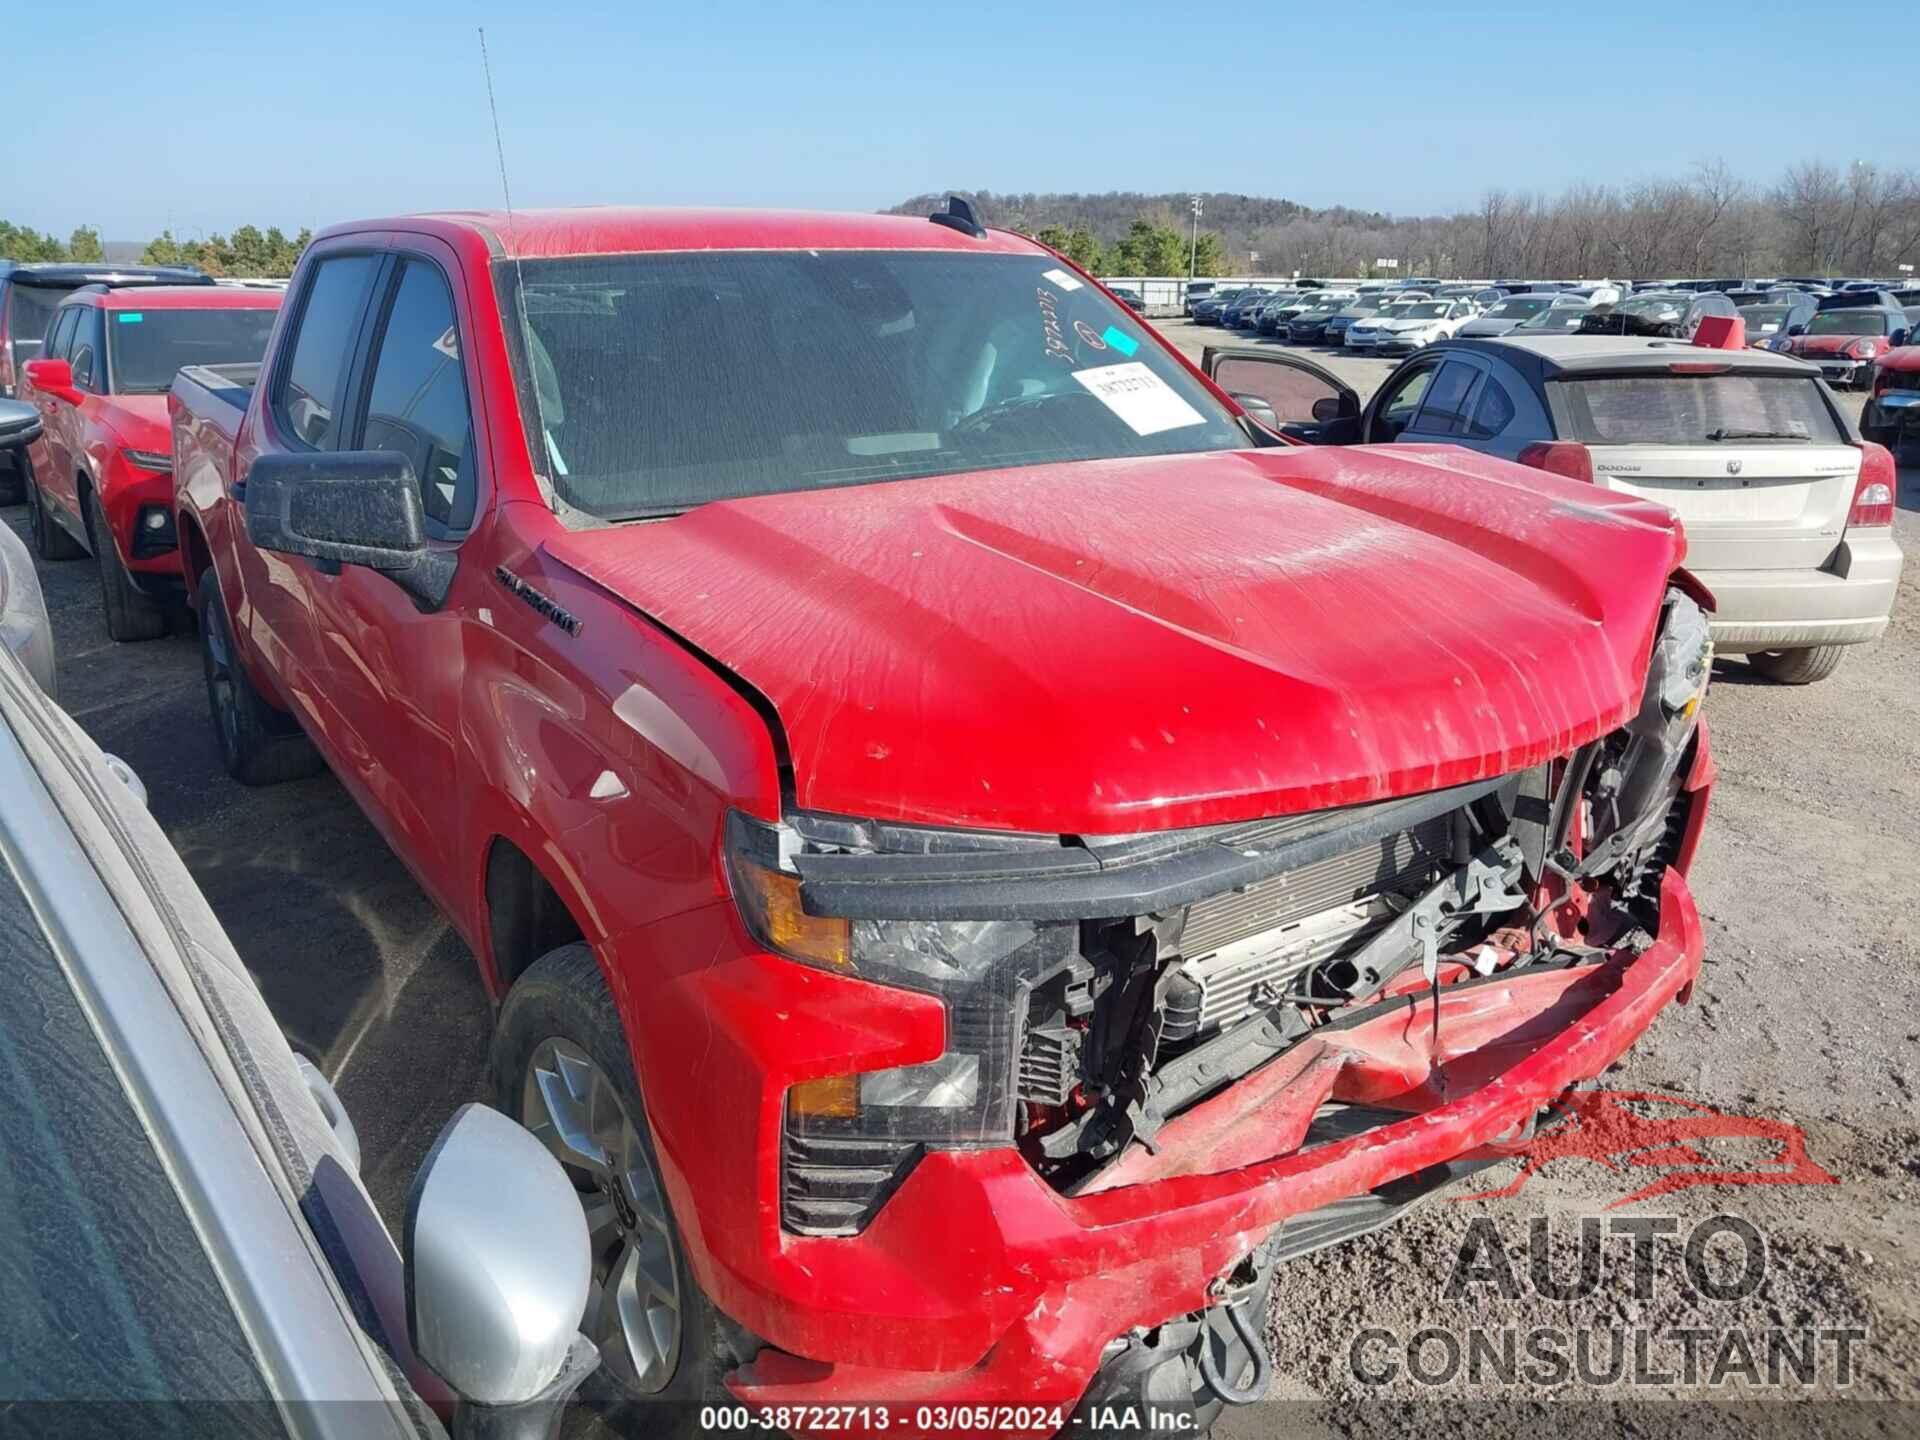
{"x":129,"y":317}
{"x":1120,"y":340}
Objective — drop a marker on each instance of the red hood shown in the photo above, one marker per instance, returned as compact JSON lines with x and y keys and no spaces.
{"x":1903,"y":359}
{"x":139,"y":420}
{"x":1134,"y":645}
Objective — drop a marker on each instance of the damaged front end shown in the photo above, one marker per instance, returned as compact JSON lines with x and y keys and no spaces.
{"x":1134,"y":1009}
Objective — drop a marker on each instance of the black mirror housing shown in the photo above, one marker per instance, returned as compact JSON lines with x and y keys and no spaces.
{"x":1328,"y":407}
{"x":19,"y":425}
{"x":347,"y":507}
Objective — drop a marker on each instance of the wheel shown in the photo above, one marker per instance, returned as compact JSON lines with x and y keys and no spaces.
{"x":1799,"y":667}
{"x":50,"y":542}
{"x":561,"y":1067}
{"x":260,"y":744}
{"x":13,"y":480}
{"x":131,"y":615}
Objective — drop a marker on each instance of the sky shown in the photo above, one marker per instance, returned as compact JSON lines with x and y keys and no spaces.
{"x":204,"y":119}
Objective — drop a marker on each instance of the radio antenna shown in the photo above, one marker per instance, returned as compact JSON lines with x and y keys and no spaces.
{"x":519,"y":287}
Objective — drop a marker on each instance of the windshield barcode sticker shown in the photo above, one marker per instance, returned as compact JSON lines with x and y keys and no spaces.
{"x":1060,"y":278}
{"x":1145,"y":403}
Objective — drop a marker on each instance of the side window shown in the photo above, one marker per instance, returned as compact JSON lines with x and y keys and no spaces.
{"x":62,"y":332}
{"x":307,"y":393}
{"x":1494,"y":412}
{"x":1444,"y":410}
{"x":88,"y":348}
{"x":417,"y":396}
{"x":1397,"y":409}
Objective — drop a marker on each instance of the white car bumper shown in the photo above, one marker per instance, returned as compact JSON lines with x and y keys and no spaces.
{"x":1845,"y":604}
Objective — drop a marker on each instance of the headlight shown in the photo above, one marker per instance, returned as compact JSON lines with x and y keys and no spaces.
{"x":980,"y":969}
{"x":159,"y":461}
{"x":1865,"y":348}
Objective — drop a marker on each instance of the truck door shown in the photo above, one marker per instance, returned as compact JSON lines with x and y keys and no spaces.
{"x":302,"y":408}
{"x":394,"y":668}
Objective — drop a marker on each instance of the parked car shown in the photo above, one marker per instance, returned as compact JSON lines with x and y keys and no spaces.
{"x":1891,"y":415}
{"x":1515,"y":310}
{"x":1674,"y":314}
{"x":848,"y":943}
{"x":1128,"y":297}
{"x":100,"y":479}
{"x":188,"y":1238}
{"x":1421,"y":323}
{"x":1776,"y":320}
{"x":28,"y":295}
{"x":1207,"y":311}
{"x":1351,"y":313}
{"x":1788,"y":512}
{"x":1848,"y":333}
{"x":1563,"y":317}
{"x":1240,"y":311}
{"x":1309,"y":326}
{"x":1197,"y":290}
{"x":1365,"y":334}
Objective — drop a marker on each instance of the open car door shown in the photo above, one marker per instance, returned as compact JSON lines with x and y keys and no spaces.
{"x":1303,"y":401}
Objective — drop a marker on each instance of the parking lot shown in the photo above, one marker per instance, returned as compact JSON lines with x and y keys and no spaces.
{"x":1809,"y":1012}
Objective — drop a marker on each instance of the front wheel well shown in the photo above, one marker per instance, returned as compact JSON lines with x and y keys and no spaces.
{"x":196,"y":554}
{"x":526,"y":918}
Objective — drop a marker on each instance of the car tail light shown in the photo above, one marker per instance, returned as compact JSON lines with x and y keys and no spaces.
{"x":1873,"y":494}
{"x":1560,"y":457}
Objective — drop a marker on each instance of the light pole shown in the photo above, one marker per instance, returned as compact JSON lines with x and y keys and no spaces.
{"x":1193,"y":253}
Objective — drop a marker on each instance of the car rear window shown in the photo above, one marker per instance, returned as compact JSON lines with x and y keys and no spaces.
{"x":1669,"y":409}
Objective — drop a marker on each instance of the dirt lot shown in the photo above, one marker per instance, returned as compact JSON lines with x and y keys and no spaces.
{"x":1809,"y":1014}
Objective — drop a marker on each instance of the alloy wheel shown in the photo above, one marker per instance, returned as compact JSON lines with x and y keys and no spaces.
{"x":633,"y":1308}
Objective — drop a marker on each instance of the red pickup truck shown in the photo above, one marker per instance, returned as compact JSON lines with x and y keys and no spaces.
{"x":982,"y":848}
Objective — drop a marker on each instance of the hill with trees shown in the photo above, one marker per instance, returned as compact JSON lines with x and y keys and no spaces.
{"x":249,"y":252}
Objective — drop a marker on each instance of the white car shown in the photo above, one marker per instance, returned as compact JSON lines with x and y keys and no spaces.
{"x":1421,"y":324}
{"x":1365,"y":333}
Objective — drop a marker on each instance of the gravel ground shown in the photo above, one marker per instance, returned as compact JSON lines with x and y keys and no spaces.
{"x":1809,"y":1013}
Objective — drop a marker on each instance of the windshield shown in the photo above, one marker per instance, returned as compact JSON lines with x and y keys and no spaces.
{"x":1654,"y":307}
{"x":1521,"y":308}
{"x":1849,"y":322}
{"x":1560,"y":317}
{"x":148,"y":347}
{"x":1764,"y":318}
{"x":1425,"y":310}
{"x":1671,"y":409}
{"x":665,"y":381}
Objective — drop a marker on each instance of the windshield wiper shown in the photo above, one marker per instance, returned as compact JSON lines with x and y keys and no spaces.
{"x":1729,"y":434}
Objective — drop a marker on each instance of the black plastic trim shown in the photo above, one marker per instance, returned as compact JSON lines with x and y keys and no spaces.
{"x":1082,"y":881}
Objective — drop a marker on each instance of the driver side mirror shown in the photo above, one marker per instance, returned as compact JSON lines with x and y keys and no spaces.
{"x":1796,"y":329}
{"x":55,"y":377}
{"x":1327,"y":408}
{"x":347,"y":507}
{"x":498,"y":1268}
{"x":19,"y":426}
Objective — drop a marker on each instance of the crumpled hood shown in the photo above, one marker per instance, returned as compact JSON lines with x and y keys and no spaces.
{"x":1131,"y":645}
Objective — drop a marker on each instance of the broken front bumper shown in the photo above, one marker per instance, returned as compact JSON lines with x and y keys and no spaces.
{"x":977,"y":1283}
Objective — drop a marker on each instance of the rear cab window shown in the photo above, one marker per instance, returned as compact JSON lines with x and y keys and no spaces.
{"x":1671,"y":409}
{"x":149,"y":347}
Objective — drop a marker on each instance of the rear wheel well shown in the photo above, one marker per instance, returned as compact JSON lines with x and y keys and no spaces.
{"x":194,"y":551}
{"x":526,"y":918}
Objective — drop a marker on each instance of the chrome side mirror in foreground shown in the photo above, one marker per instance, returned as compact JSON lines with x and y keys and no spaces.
{"x":498,"y":1268}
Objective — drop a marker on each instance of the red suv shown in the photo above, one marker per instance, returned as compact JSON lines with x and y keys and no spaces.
{"x":982,"y":848}
{"x":100,"y":479}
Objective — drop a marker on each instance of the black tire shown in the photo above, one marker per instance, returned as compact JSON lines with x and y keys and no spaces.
{"x":131,"y":615}
{"x":260,"y":744}
{"x":563,"y":996}
{"x":50,"y":542}
{"x":1799,"y":667}
{"x":13,"y":480}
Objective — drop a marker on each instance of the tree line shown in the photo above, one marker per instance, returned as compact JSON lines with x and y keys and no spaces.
{"x":1814,"y":219}
{"x":249,"y":252}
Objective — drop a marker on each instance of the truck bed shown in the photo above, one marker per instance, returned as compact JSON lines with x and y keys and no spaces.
{"x":215,"y":394}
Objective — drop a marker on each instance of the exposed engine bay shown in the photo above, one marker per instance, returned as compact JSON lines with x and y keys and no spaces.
{"x":1155,"y":1012}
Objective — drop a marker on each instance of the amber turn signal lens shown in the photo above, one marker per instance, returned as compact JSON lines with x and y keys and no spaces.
{"x":770,"y":902}
{"x":832,"y":1097}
